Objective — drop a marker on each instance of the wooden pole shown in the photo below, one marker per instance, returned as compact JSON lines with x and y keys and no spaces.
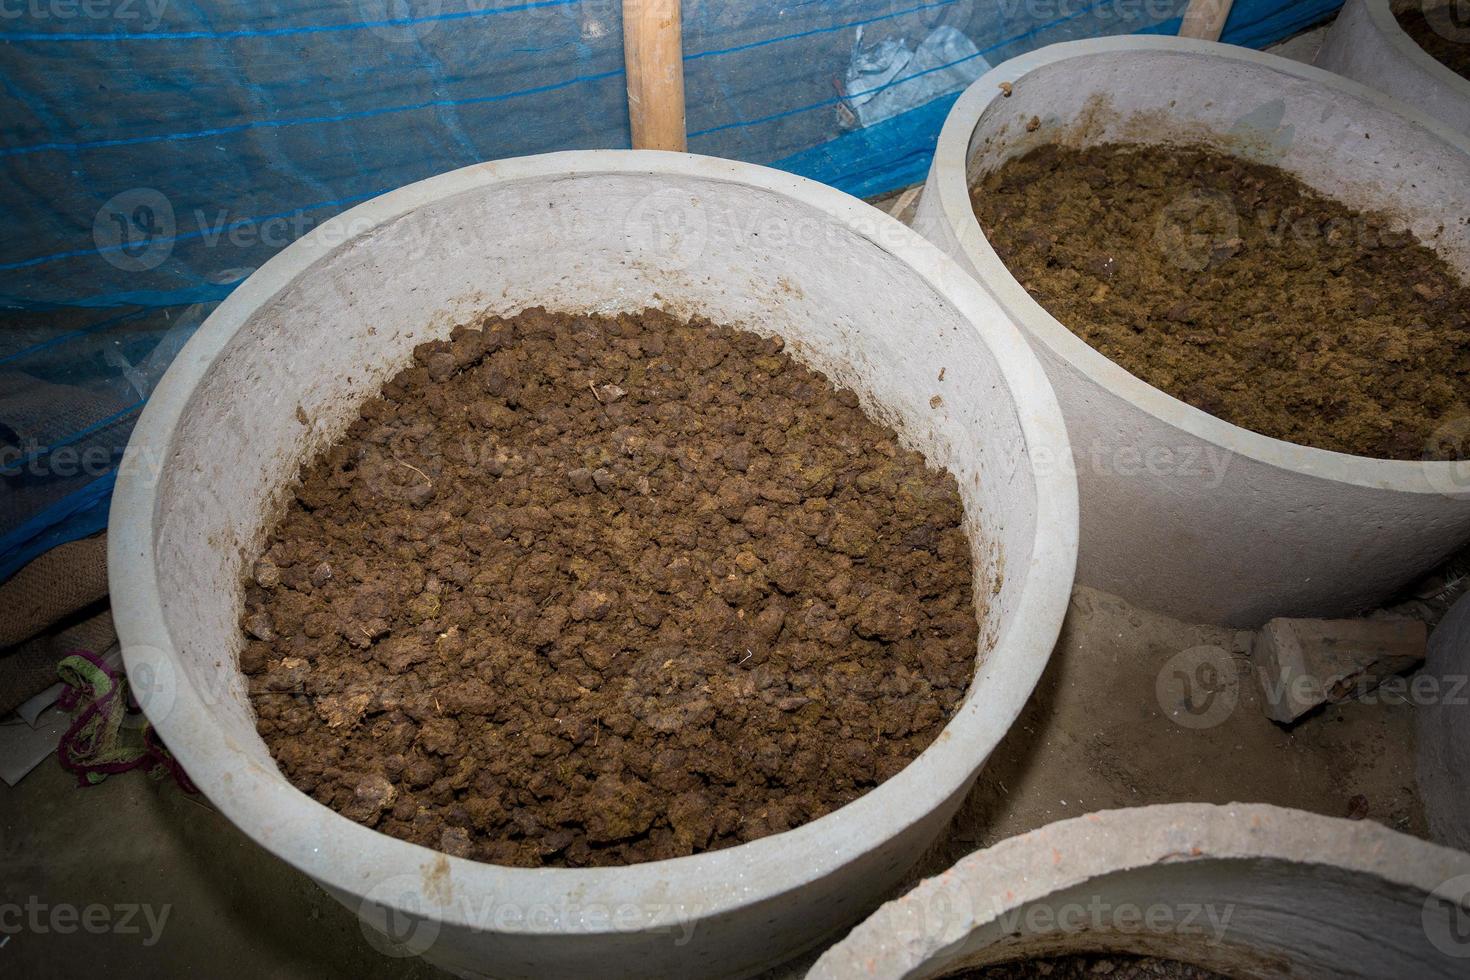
{"x":653,"y":52}
{"x":1205,"y":19}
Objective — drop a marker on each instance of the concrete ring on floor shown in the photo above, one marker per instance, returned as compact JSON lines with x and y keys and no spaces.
{"x":1443,"y":729}
{"x":1247,"y":890}
{"x":282,"y":367}
{"x":1182,"y":512}
{"x":1367,"y":44}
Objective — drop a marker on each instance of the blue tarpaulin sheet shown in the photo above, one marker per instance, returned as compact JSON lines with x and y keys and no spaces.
{"x":155,"y":152}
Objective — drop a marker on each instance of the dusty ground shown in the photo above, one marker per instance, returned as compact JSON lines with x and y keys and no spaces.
{"x":1100,"y":733}
{"x":1094,"y":737}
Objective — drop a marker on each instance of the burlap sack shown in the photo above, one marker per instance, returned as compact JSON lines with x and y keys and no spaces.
{"x":51,"y":588}
{"x":53,"y":606}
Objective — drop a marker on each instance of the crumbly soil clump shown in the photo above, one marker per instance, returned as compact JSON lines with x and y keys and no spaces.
{"x":1234,"y":287}
{"x":581,"y":591}
{"x":1092,"y":966}
{"x":1444,"y":35}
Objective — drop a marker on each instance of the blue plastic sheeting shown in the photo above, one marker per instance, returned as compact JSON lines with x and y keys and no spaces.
{"x":896,"y":153}
{"x":70,"y":393}
{"x":155,"y":152}
{"x":77,"y":515}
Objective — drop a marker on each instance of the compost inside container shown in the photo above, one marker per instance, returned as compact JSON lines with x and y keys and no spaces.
{"x":1440,"y":30}
{"x":1234,"y":287}
{"x":581,"y":590}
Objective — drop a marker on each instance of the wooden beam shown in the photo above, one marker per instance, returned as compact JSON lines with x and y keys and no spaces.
{"x":1205,"y":19}
{"x":653,"y":52}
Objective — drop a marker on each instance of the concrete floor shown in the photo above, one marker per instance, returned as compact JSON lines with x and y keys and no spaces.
{"x":1100,"y":733}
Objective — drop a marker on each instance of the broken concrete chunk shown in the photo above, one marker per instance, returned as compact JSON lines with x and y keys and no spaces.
{"x":1303,"y":663}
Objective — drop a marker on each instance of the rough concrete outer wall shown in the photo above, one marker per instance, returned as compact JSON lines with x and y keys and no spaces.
{"x":1366,"y":44}
{"x":1227,"y":526}
{"x":1444,"y":731}
{"x":1267,"y":541}
{"x":1272,"y":893}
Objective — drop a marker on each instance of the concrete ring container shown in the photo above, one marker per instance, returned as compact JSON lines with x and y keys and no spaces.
{"x":281,"y":367}
{"x":1182,"y":512}
{"x":1366,"y":43}
{"x":1246,"y":890}
{"x":1440,"y":692}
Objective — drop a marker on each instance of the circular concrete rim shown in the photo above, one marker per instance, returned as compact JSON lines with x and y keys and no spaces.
{"x":950,"y":179}
{"x":711,"y":883}
{"x":1064,"y":855}
{"x":1388,"y":27}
